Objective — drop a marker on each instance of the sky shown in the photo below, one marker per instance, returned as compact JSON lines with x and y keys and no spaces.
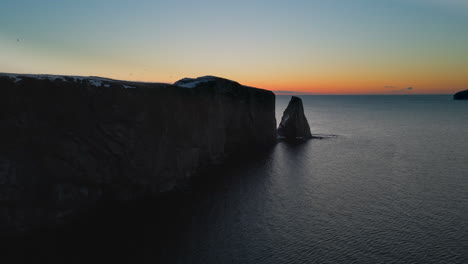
{"x":296,"y":46}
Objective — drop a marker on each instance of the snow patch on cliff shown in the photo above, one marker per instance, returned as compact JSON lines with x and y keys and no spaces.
{"x":192,"y":83}
{"x":94,"y":81}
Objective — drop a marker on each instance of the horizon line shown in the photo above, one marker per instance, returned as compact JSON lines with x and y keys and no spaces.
{"x":276,"y":92}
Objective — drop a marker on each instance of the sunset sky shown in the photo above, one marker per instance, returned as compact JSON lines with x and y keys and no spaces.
{"x":324,"y":47}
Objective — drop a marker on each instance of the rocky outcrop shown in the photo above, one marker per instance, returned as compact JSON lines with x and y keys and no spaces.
{"x":463,"y":95}
{"x":294,"y":123}
{"x":66,"y":142}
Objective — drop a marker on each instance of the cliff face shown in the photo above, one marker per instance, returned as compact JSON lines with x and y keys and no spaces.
{"x":294,"y":123}
{"x":463,"y":95}
{"x":69,"y":141}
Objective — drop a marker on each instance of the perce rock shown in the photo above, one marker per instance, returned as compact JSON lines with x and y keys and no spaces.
{"x":294,"y":123}
{"x":67,"y":142}
{"x":463,"y":95}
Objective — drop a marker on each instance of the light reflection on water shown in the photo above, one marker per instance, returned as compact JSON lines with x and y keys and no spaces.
{"x":393,"y":186}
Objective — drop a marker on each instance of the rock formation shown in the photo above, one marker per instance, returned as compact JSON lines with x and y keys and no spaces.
{"x":66,"y":141}
{"x":294,"y":124}
{"x":463,"y":95}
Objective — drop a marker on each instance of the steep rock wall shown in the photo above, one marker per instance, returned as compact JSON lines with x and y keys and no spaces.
{"x":69,"y":141}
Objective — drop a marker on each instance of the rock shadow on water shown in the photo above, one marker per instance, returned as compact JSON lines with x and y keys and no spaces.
{"x":151,"y":229}
{"x":301,"y":140}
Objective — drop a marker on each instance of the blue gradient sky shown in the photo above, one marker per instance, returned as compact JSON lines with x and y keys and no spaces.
{"x":344,"y":47}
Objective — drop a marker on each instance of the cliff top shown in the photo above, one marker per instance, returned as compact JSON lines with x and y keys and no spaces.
{"x":94,"y":80}
{"x":194,"y":82}
{"x":98,"y":82}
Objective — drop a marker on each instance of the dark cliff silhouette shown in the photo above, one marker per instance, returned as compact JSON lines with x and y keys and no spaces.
{"x":463,"y":95}
{"x":67,"y":142}
{"x":294,"y":123}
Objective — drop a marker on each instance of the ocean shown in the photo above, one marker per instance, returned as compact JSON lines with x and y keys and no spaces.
{"x":391,"y":187}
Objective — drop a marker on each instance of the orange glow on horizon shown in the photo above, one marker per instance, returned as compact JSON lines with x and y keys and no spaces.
{"x":357,"y":87}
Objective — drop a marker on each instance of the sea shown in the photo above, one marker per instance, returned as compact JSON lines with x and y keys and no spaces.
{"x":385,"y":182}
{"x":389,"y":185}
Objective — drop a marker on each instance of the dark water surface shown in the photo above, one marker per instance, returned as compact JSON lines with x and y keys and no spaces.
{"x":391,"y":188}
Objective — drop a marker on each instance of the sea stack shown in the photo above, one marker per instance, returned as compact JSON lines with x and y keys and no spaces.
{"x":294,"y":124}
{"x":463,"y":95}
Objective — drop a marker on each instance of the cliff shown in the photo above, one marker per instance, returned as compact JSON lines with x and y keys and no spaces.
{"x":463,"y":95}
{"x":294,"y":123}
{"x":66,"y":141}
